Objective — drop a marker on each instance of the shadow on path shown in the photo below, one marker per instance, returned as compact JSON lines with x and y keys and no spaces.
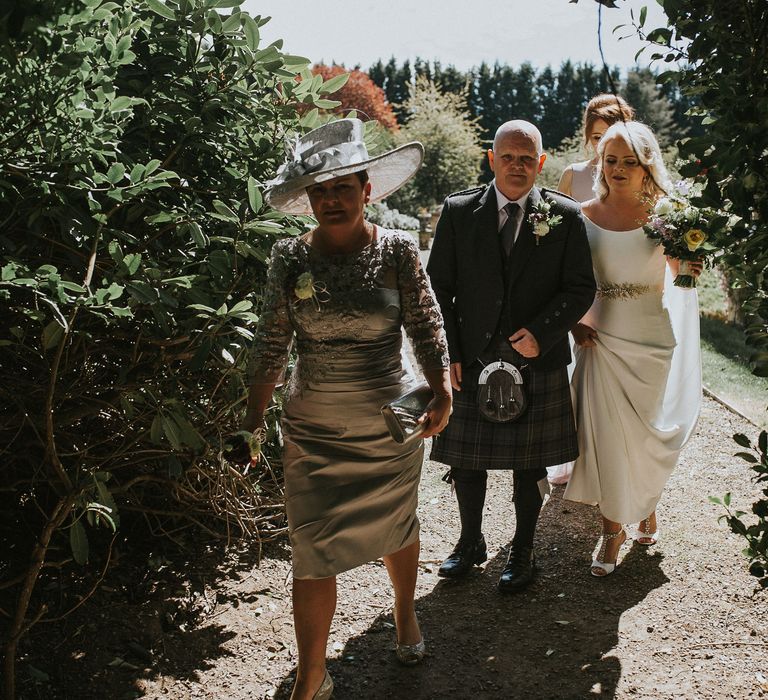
{"x":552,"y":641}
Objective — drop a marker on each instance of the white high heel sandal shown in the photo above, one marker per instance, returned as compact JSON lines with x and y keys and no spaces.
{"x":598,"y":565}
{"x":647,"y":534}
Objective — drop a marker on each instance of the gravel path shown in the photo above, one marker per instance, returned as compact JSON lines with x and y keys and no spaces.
{"x":678,"y":620}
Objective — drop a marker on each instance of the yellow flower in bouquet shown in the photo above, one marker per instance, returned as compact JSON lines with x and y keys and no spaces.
{"x":694,"y":238}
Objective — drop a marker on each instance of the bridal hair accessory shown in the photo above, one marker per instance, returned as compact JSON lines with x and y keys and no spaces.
{"x":334,"y":150}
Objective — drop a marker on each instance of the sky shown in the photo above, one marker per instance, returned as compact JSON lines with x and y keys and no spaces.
{"x":543,"y":32}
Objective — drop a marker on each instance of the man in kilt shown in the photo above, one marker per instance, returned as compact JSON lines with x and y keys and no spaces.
{"x":507,"y":270}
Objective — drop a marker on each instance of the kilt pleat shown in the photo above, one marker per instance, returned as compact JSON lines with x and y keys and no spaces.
{"x":544,"y":436}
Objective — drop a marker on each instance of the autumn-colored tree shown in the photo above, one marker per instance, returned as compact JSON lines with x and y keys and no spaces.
{"x":360,"y":94}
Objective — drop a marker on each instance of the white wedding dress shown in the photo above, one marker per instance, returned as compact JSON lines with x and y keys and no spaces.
{"x":637,"y":394}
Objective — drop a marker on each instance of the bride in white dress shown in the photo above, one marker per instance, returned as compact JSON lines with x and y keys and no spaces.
{"x":578,"y":180}
{"x":637,"y":382}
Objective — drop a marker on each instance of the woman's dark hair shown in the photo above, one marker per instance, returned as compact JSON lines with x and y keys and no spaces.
{"x":609,"y":108}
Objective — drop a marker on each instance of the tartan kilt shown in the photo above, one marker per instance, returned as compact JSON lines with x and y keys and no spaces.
{"x":544,"y":436}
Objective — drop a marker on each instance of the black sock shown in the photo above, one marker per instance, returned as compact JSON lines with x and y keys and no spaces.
{"x":470,"y":493}
{"x":528,"y":502}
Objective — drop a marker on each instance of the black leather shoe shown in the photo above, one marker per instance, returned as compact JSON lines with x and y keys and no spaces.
{"x":463,"y":557}
{"x":519,"y":572}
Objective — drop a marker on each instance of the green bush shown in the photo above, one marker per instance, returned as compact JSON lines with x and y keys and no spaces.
{"x":452,"y":149}
{"x":135,"y":142}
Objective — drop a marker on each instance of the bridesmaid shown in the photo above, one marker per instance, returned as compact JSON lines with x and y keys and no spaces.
{"x":601,"y":112}
{"x":342,"y":292}
{"x":637,"y":382}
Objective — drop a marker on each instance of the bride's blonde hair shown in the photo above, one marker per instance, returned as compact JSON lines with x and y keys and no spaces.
{"x":642,"y":141}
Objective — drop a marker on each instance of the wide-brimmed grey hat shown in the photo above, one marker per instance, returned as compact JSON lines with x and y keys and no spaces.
{"x":333,"y":150}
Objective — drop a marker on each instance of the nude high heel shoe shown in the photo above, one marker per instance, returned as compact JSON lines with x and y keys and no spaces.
{"x":325,"y":690}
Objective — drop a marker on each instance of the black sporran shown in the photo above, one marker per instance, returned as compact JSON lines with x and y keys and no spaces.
{"x":501,"y":392}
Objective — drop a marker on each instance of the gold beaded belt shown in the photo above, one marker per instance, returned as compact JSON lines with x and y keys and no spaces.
{"x":623,"y":290}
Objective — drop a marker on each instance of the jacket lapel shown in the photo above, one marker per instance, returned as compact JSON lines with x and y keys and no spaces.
{"x":525,"y":242}
{"x":486,"y":236}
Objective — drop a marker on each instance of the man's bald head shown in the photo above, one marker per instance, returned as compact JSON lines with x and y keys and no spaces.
{"x":521,"y":129}
{"x":516,"y":158}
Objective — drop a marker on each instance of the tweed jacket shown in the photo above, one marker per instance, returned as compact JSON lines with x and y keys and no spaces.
{"x":548,"y":285}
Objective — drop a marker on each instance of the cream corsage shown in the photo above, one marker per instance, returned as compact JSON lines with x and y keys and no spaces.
{"x":307,"y":288}
{"x":542,"y":220}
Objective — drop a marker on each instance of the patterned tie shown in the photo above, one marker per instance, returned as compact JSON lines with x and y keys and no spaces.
{"x":509,"y":228}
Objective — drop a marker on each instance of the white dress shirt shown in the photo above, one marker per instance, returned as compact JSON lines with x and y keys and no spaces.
{"x":502,"y":201}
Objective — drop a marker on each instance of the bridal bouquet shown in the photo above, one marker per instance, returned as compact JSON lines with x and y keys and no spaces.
{"x":684,"y":231}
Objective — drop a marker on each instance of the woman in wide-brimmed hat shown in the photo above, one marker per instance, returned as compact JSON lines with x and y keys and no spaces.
{"x":344,"y":290}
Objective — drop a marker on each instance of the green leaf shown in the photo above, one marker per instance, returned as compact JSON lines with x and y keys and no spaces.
{"x":200,"y":239}
{"x":747,"y":457}
{"x":188,"y":435}
{"x":202,"y":307}
{"x":116,"y":173}
{"x":105,"y":496}
{"x":8,"y":272}
{"x":326,"y":104}
{"x":161,"y":9}
{"x":142,"y":292}
{"x":240,"y":307}
{"x":156,"y":429}
{"x":643,"y":14}
{"x":231,"y":24}
{"x":52,"y":335}
{"x":335,"y":83}
{"x":171,"y":431}
{"x":741,"y":439}
{"x":132,"y":262}
{"x":251,"y":30}
{"x":78,"y":542}
{"x":137,"y":172}
{"x":72,"y":287}
{"x":121,"y":104}
{"x":296,"y":62}
{"x":254,"y":195}
{"x":225,"y":211}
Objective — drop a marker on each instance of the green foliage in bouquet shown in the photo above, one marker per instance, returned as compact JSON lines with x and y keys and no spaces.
{"x":135,"y":141}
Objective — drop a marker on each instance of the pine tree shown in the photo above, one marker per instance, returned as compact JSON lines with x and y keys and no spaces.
{"x":651,"y":106}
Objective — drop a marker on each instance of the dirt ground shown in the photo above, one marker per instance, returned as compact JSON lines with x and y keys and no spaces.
{"x":678,"y":620}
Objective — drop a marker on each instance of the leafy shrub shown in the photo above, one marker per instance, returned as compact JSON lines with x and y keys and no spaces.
{"x":135,"y":142}
{"x":755,"y":534}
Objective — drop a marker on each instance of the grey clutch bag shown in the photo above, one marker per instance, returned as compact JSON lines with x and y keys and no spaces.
{"x":401,"y":414}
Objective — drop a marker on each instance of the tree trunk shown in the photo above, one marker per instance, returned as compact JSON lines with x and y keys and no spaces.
{"x":20,"y":625}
